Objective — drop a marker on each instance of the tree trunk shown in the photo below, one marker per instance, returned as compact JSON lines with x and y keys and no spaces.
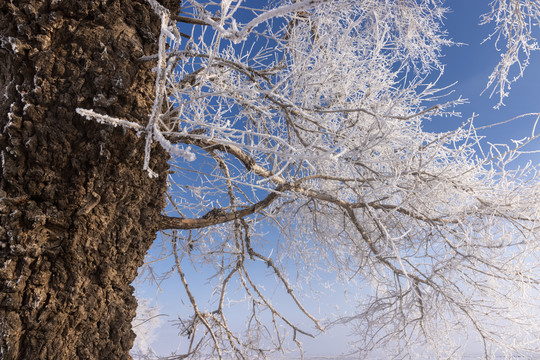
{"x":77,"y":212}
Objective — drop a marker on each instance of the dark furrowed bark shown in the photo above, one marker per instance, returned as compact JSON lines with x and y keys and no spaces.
{"x":77,"y":212}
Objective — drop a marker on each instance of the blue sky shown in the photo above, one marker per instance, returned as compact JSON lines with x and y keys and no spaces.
{"x":468,"y":65}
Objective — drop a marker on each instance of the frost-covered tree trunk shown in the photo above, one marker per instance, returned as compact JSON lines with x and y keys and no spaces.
{"x":76,"y":206}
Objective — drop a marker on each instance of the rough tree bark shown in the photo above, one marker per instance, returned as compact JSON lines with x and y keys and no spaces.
{"x":77,"y":212}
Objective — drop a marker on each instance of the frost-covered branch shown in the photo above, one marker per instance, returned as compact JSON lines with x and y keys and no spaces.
{"x":516,"y":23}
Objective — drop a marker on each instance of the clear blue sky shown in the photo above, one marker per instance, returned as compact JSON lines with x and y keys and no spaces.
{"x":470,"y":66}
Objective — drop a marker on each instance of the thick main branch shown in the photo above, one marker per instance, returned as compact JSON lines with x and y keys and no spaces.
{"x":217,"y":216}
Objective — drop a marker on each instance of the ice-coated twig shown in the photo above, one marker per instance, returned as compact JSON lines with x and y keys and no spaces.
{"x":514,"y":22}
{"x":161,"y":79}
{"x":158,"y":8}
{"x":108,"y":120}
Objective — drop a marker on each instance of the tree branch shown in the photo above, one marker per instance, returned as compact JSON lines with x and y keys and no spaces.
{"x":188,"y":20}
{"x":235,"y":151}
{"x":216,"y":217}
